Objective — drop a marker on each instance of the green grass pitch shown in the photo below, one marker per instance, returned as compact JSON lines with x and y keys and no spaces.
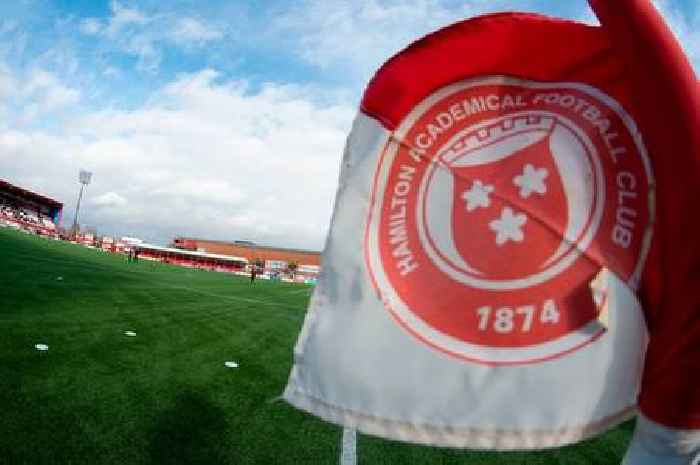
{"x":165,"y":397}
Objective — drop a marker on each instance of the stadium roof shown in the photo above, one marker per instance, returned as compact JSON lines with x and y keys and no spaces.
{"x":4,"y":185}
{"x":191,"y":253}
{"x":249,"y":244}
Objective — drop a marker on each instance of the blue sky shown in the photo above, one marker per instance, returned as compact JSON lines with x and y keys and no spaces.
{"x":194,"y":115}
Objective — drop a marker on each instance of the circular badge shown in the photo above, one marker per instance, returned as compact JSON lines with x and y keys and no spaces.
{"x":495,"y":204}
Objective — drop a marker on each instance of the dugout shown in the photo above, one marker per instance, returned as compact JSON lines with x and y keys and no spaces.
{"x":191,"y":259}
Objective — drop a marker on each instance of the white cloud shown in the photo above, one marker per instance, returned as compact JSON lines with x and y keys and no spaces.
{"x":26,"y":96}
{"x":8,"y":83}
{"x":194,"y":30}
{"x":91,"y":26}
{"x":44,"y":92}
{"x":204,"y":156}
{"x":7,"y":26}
{"x":11,"y":142}
{"x":143,"y":35}
{"x":122,"y":17}
{"x":109,"y":200}
{"x":360,"y":35}
{"x":111,"y":71}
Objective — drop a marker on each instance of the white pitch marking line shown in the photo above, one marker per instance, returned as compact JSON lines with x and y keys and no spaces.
{"x":348,"y":452}
{"x":231,"y":364}
{"x":42,"y":347}
{"x":129,"y":333}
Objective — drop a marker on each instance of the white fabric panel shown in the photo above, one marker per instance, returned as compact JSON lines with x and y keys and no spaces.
{"x":356,"y":367}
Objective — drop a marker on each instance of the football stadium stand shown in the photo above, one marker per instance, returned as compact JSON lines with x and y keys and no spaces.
{"x":303,"y":265}
{"x":29,"y":211}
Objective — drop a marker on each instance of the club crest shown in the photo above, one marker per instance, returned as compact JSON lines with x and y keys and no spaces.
{"x":495,"y":203}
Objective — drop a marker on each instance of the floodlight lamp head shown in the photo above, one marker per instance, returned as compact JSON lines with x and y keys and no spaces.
{"x":85,"y":177}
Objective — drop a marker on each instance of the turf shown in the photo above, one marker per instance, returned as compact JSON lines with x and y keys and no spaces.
{"x":165,"y":396}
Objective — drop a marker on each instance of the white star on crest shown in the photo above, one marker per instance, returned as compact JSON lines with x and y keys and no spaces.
{"x":478,"y":195}
{"x":508,"y":226}
{"x":532,"y":180}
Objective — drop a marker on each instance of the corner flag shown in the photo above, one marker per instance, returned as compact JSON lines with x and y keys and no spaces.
{"x":495,"y":212}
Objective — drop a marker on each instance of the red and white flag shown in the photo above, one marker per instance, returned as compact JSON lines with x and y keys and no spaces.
{"x":491,"y":234}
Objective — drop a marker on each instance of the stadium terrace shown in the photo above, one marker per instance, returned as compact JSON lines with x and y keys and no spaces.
{"x":28,"y":211}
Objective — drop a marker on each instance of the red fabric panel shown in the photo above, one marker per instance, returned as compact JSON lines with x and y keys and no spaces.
{"x":666,"y":106}
{"x":515,"y":44}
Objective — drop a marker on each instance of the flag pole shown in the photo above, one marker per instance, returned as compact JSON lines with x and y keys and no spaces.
{"x":348,"y":449}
